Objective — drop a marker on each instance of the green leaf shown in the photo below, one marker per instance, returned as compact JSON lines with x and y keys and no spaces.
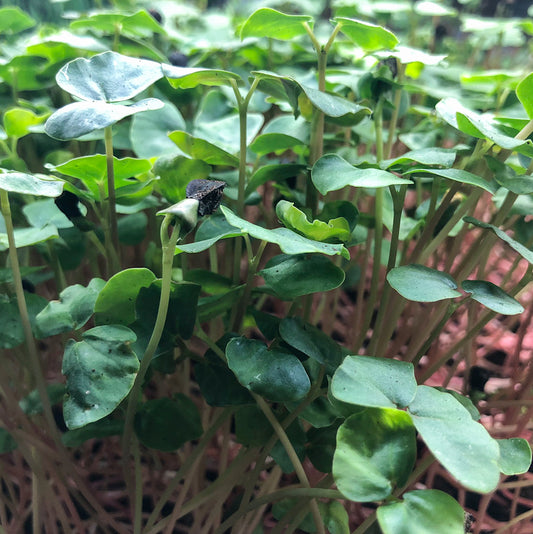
{"x":187,"y":77}
{"x":7,"y":442}
{"x":19,"y":122}
{"x":280,"y":134}
{"x":460,"y":444}
{"x":267,"y":22}
{"x":25,"y":237}
{"x":140,"y":24}
{"x":293,"y":276}
{"x":252,"y":428}
{"x":116,"y":302}
{"x":334,"y":230}
{"x":92,"y":171}
{"x":203,"y":150}
{"x":491,"y":296}
{"x":108,"y":77}
{"x":167,"y":424}
{"x":149,"y":131}
{"x":175,"y":172}
{"x":23,"y":73}
{"x":28,"y":184}
{"x":80,"y":118}
{"x":376,"y":452}
{"x":97,"y":430}
{"x":515,"y":456}
{"x":506,"y":176}
{"x":321,"y":446}
{"x":367,"y":36}
{"x":422,"y":284}
{"x":312,"y":342}
{"x":14,"y":20}
{"x":376,"y":382}
{"x":524,"y":92}
{"x":444,"y":157}
{"x":475,"y":125}
{"x":100,"y":372}
{"x":274,"y":374}
{"x":420,"y":512}
{"x":335,"y":517}
{"x":72,"y":311}
{"x":331,"y":173}
{"x":289,"y":242}
{"x":11,"y":333}
{"x":132,"y":228}
{"x":515,"y":245}
{"x":275,"y":173}
{"x":458,"y":175}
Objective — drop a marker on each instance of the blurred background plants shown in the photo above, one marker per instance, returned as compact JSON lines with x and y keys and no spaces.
{"x":391,"y":164}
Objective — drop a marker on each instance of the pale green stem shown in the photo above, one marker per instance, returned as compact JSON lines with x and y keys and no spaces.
{"x":291,"y":453}
{"x":112,"y":246}
{"x":34,"y":360}
{"x":169,"y":247}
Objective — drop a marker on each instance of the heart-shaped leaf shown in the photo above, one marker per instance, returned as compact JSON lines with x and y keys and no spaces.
{"x":100,"y":371}
{"x":267,"y":22}
{"x":367,"y":36}
{"x":80,"y":118}
{"x":422,"y":284}
{"x":203,"y":150}
{"x":376,"y":452}
{"x":187,"y":77}
{"x":14,"y":20}
{"x":108,"y":77}
{"x":28,"y":184}
{"x":274,"y":374}
{"x":297,"y":275}
{"x":515,"y":456}
{"x":331,"y":172}
{"x":459,"y":443}
{"x":377,"y":382}
{"x":458,"y":175}
{"x":422,"y":511}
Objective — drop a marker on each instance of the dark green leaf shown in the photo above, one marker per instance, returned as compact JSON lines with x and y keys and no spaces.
{"x":167,"y":424}
{"x":491,"y":296}
{"x":274,"y":374}
{"x":97,"y":430}
{"x":100,"y":371}
{"x":7,"y":442}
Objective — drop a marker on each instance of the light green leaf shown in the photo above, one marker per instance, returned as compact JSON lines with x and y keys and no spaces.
{"x":289,"y":241}
{"x":367,"y":36}
{"x":443,"y":157}
{"x":80,"y":118}
{"x":29,"y":184}
{"x":14,"y":20}
{"x":491,"y":296}
{"x":116,"y":301}
{"x":108,"y":77}
{"x":422,"y":284}
{"x":376,"y":452}
{"x":100,"y":371}
{"x":461,"y":445}
{"x":187,"y":77}
{"x":267,"y":22}
{"x":334,"y":230}
{"x":376,"y":382}
{"x":331,"y":172}
{"x":420,"y":512}
{"x":18,"y":122}
{"x":524,"y":92}
{"x":204,"y":150}
{"x":515,"y":456}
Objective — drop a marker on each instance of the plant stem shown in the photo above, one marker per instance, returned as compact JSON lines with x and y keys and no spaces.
{"x":34,"y":360}
{"x":169,"y":247}
{"x":291,"y":453}
{"x":112,"y":245}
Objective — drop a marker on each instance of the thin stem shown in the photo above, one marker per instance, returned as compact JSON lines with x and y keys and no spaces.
{"x":112,"y":247}
{"x":169,"y":247}
{"x":291,"y":453}
{"x":35,"y":362}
